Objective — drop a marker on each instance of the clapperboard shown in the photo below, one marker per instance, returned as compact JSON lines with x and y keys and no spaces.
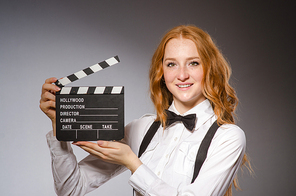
{"x":89,"y":113}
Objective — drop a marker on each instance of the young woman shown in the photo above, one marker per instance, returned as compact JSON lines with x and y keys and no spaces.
{"x":188,"y":75}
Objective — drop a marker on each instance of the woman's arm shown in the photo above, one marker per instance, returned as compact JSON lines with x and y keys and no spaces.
{"x":112,"y":152}
{"x":223,"y":161}
{"x":71,"y":178}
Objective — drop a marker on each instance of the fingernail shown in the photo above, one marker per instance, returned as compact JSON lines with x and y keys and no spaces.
{"x":100,"y":142}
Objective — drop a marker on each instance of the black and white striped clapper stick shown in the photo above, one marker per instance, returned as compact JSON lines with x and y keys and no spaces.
{"x":89,"y":113}
{"x":87,"y":71}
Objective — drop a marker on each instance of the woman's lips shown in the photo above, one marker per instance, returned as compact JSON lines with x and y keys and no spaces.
{"x":184,"y":85}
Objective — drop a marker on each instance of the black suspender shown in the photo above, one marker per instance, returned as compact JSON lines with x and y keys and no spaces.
{"x":202,"y":151}
{"x":148,"y":137}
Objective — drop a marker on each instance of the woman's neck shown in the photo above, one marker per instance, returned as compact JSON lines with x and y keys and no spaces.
{"x":183,"y":107}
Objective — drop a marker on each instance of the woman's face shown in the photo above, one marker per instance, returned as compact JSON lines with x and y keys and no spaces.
{"x":183,"y":73}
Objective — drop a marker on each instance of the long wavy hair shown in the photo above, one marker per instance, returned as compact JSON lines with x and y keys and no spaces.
{"x":215,"y":83}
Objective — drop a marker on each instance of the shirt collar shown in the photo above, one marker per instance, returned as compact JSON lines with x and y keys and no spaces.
{"x":203,"y":111}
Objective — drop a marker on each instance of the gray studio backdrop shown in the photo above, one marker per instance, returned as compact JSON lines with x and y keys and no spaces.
{"x":40,"y":39}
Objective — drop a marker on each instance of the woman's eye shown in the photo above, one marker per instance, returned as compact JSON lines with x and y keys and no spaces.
{"x":171,"y":64}
{"x":194,"y":63}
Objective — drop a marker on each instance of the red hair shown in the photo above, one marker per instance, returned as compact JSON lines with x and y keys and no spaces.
{"x":215,"y":83}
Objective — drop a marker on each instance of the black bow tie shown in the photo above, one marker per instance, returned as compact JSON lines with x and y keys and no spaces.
{"x":188,"y":120}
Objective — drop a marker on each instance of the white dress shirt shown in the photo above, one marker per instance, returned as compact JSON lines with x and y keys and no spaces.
{"x":168,"y":162}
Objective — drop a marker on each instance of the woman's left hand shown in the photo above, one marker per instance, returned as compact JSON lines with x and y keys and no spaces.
{"x":112,"y":152}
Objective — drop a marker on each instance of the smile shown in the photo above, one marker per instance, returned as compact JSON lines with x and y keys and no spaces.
{"x":184,"y":85}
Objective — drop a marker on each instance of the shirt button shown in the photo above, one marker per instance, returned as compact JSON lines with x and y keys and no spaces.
{"x":158,"y":173}
{"x":166,"y":156}
{"x":176,"y":138}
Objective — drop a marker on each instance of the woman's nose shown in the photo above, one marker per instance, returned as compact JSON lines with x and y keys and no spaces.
{"x":183,"y":73}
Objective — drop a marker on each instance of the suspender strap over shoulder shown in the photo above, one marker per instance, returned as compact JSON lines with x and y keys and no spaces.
{"x":148,"y":137}
{"x":202,"y":151}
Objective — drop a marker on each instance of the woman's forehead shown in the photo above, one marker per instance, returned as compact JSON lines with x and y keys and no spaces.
{"x":180,"y":47}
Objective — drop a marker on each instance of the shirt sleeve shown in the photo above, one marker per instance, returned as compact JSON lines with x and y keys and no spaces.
{"x":217,"y":173}
{"x":145,"y":182}
{"x":72,"y":178}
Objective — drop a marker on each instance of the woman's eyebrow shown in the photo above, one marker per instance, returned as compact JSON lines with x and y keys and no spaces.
{"x":191,"y":58}
{"x":169,"y":59}
{"x":173,"y":59}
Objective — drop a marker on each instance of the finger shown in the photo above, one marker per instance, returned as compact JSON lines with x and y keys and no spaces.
{"x":48,"y":110}
{"x":49,"y":86}
{"x":105,"y":151}
{"x":108,"y":144}
{"x":48,"y":107}
{"x":93,"y":149}
{"x":47,"y":96}
{"x":90,"y":150}
{"x":94,"y":152}
{"x":91,"y":145}
{"x":51,"y":80}
{"x":85,"y":143}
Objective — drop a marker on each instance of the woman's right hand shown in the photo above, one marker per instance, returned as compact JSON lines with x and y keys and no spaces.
{"x":47,"y":101}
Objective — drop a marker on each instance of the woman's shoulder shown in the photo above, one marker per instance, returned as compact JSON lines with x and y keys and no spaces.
{"x":231,"y":132}
{"x":231,"y":127}
{"x":135,"y":130}
{"x":148,"y":116}
{"x":142,"y":122}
